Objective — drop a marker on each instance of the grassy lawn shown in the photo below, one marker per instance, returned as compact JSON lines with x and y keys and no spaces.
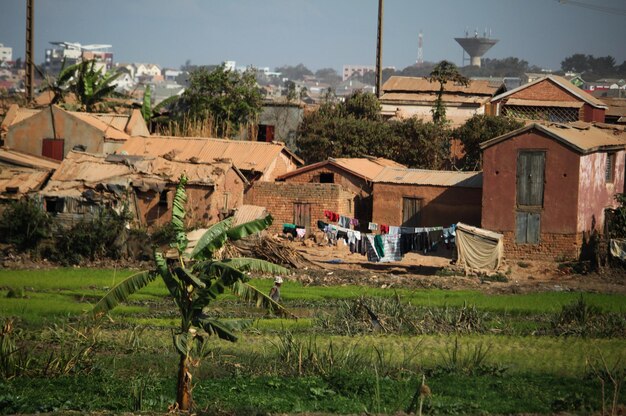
{"x":508,"y":361}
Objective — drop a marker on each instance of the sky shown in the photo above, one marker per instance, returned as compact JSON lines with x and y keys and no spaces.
{"x":318,"y":33}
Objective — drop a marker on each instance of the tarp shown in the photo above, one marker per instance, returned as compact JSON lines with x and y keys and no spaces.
{"x":478,"y":248}
{"x":618,"y":248}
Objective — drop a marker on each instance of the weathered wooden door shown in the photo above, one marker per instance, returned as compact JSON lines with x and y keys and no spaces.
{"x":411,"y":212}
{"x":530,"y":178}
{"x":527,"y":227}
{"x":302,"y":214}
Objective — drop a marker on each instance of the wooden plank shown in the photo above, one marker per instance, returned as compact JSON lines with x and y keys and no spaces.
{"x":521,"y":227}
{"x":533,"y":224}
{"x":536,"y":178}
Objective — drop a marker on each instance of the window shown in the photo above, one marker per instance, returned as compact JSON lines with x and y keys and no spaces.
{"x":54,"y":205}
{"x":530,"y":178}
{"x":226,"y":198}
{"x":411,"y":212}
{"x":265,"y":133}
{"x":327,"y":177}
{"x":164,"y":199}
{"x":527,"y":227}
{"x":53,"y":148}
{"x":609,"y":170}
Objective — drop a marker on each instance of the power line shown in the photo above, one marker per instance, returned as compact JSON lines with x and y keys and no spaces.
{"x":595,"y":7}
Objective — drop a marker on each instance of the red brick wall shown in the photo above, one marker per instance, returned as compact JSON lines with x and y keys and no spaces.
{"x":347,"y":180}
{"x":279,"y":199}
{"x":590,"y":113}
{"x":441,"y":206}
{"x":551,"y":247}
{"x":545,"y":90}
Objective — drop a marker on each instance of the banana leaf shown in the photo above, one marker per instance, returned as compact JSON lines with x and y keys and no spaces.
{"x":122,"y":291}
{"x":247,"y":264}
{"x":178,"y":215}
{"x":249,"y":228}
{"x":252,"y":294}
{"x":187,"y":277}
{"x":212,"y":239}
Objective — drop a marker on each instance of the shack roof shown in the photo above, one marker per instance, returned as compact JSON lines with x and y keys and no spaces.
{"x":405,"y":176}
{"x":246,"y":155}
{"x":366,"y":168}
{"x":400,"y":84}
{"x":17,"y":181}
{"x":83,"y":170}
{"x":560,"y":82}
{"x":582,"y":137}
{"x":13,"y":157}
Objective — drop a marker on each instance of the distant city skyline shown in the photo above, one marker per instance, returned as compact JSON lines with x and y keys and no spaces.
{"x":319,"y":33}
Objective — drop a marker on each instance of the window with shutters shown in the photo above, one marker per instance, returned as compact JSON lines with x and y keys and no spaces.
{"x":411,"y":212}
{"x":527,"y":227}
{"x":609,"y":169}
{"x":530,"y":178}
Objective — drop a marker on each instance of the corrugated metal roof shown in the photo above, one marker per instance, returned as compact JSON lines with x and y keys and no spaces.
{"x":14,"y":157}
{"x":562,"y":82}
{"x":582,"y":137}
{"x":617,"y":107}
{"x":430,"y":177}
{"x":366,"y":168}
{"x":110,"y":131}
{"x":542,"y":103}
{"x":418,"y":84}
{"x":247,"y":213}
{"x":246,"y":155}
{"x":16,"y":181}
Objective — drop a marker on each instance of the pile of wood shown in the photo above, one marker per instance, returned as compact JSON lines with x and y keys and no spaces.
{"x":266,"y":247}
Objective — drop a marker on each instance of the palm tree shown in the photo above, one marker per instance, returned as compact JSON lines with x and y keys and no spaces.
{"x":443,"y":73}
{"x":194,"y":280}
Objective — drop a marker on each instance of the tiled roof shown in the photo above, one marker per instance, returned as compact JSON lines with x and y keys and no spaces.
{"x":422,"y":85}
{"x":245,"y":155}
{"x":366,"y":168}
{"x":430,"y":177}
{"x":582,"y":137}
{"x":563,"y":83}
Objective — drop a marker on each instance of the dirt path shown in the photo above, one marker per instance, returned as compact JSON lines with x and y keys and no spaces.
{"x":339,"y":266}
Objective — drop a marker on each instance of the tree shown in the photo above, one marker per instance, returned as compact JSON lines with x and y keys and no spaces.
{"x":478,"y":129}
{"x":294,"y":73}
{"x":227,"y":98}
{"x":194,"y":280}
{"x":443,"y":73}
{"x":576,"y":63}
{"x":328,"y":76}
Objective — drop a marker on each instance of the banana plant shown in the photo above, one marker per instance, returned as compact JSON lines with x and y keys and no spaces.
{"x":194,"y":279}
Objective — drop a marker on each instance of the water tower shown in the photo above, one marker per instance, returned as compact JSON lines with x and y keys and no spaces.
{"x":476,"y":46}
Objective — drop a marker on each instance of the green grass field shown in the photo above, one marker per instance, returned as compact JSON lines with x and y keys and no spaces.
{"x":512,"y":359}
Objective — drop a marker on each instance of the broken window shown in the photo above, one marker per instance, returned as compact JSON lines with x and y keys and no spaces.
{"x":327,"y":177}
{"x":54,"y":205}
{"x":609,"y":169}
{"x":411,"y":212}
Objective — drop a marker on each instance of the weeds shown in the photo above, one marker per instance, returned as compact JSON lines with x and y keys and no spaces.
{"x":580,"y":318}
{"x":611,"y":377}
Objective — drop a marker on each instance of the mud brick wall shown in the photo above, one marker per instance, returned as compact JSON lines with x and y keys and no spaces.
{"x":279,"y":199}
{"x":551,"y":247}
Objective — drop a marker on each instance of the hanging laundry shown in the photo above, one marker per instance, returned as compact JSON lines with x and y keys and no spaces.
{"x":354,"y":222}
{"x":384,"y":229}
{"x":393,"y":230}
{"x":372,"y":226}
{"x":301,"y":232}
{"x":344,"y":221}
{"x":390,"y":248}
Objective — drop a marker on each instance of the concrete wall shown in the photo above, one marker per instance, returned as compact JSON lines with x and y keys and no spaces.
{"x":457,"y":114}
{"x":27,"y":136}
{"x":441,"y":206}
{"x":285,"y":119}
{"x":279,"y":199}
{"x":595,"y":194}
{"x":559,"y":214}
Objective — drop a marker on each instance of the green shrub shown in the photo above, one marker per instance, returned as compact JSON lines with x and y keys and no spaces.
{"x":24,"y":224}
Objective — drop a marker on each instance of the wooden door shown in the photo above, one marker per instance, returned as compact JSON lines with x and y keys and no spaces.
{"x":530,"y":178}
{"x":411,"y":212}
{"x":302,"y":215}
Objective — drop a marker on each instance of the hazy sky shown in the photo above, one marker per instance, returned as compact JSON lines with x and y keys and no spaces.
{"x":318,"y":33}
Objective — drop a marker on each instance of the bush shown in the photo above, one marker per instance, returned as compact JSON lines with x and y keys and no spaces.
{"x":24,"y":224}
{"x":93,"y":238}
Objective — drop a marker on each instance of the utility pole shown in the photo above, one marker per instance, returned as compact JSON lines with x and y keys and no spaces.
{"x":30,"y":47}
{"x":379,"y":50}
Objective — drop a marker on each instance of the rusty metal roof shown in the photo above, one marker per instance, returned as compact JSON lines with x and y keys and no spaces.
{"x":406,"y":176}
{"x":563,"y":83}
{"x":16,"y":158}
{"x":582,"y":137}
{"x":423,"y":85}
{"x":430,"y":98}
{"x":246,"y":155}
{"x":617,"y":106}
{"x":83,"y":170}
{"x":367,"y":168}
{"x":17,"y":181}
{"x":542,"y":103}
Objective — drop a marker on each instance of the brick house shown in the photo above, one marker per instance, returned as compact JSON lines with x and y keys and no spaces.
{"x":546,"y":185}
{"x":85,"y":184}
{"x":354,"y":175}
{"x":552,"y":99}
{"x":426,"y":198}
{"x":53,"y":132}
{"x":405,"y":97}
